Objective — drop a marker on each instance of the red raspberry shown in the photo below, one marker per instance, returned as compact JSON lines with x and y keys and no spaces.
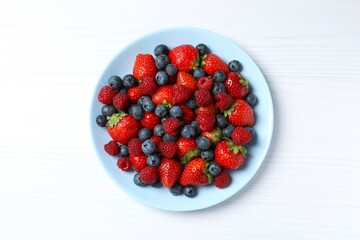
{"x":181,"y":93}
{"x":156,"y":140}
{"x":203,"y":98}
{"x":147,"y":86}
{"x":150,"y":120}
{"x":134,"y":94}
{"x":206,"y":121}
{"x":222,"y":180}
{"x":168,"y":149}
{"x":205,"y":83}
{"x":138,"y":162}
{"x":106,"y":94}
{"x":149,"y":175}
{"x":134,"y":147}
{"x":241,"y":136}
{"x":188,"y":114}
{"x":124,"y":164}
{"x":112,"y":148}
{"x":121,"y":101}
{"x":171,"y":126}
{"x":223,"y":100}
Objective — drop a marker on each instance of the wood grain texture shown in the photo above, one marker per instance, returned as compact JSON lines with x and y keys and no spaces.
{"x":51,"y":184}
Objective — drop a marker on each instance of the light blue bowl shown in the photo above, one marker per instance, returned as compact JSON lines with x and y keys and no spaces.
{"x":210,"y":195}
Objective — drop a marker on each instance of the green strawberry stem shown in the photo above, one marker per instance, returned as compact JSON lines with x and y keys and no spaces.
{"x":217,"y":136}
{"x":190,"y":155}
{"x":115,"y":118}
{"x":203,"y":62}
{"x":228,"y":111}
{"x":196,"y":63}
{"x":166,"y":104}
{"x":206,"y":172}
{"x":235,"y":148}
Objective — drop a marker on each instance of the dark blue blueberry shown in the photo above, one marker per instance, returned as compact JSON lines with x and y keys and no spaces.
{"x":115,"y":82}
{"x":124,"y":151}
{"x":203,"y":143}
{"x":191,"y":103}
{"x":148,"y":147}
{"x":202,"y":49}
{"x":146,"y":103}
{"x":196,"y":126}
{"x":251,"y":99}
{"x":144,"y":134}
{"x":176,"y":190}
{"x":253,"y":133}
{"x":217,"y":88}
{"x":169,"y":138}
{"x":190,"y":191}
{"x":123,"y":90}
{"x":108,"y":110}
{"x":188,"y":131}
{"x":153,"y":160}
{"x":129,"y":81}
{"x":227,"y":131}
{"x":171,"y":69}
{"x":208,"y":155}
{"x":214,"y":168}
{"x":161,"y":61}
{"x":138,"y":181}
{"x":219,"y":76}
{"x":161,"y":49}
{"x":176,"y":112}
{"x":161,"y":78}
{"x":198,"y":73}
{"x":161,"y":110}
{"x":101,"y":121}
{"x":235,"y":66}
{"x":159,"y":130}
{"x":157,"y":184}
{"x":136,"y":111}
{"x":221,"y":121}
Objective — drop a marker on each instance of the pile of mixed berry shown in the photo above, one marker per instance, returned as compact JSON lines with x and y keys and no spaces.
{"x":181,"y":120}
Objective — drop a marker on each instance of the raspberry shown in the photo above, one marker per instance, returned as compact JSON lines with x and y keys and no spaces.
{"x":150,"y":120}
{"x":112,"y":148}
{"x":206,"y":121}
{"x":181,"y":93}
{"x":203,"y":98}
{"x":156,"y":140}
{"x":106,"y":94}
{"x":188,"y":114}
{"x":134,"y":94}
{"x":223,"y":100}
{"x":121,"y":101}
{"x":149,"y":175}
{"x":171,"y":126}
{"x":124,"y":164}
{"x":241,"y":136}
{"x":138,"y":162}
{"x":205,"y":83}
{"x":134,"y":147}
{"x":222,"y":180}
{"x":147,"y":86}
{"x":168,"y":149}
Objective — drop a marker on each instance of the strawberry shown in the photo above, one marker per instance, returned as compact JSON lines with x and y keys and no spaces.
{"x":138,"y":162}
{"x":222,"y":180}
{"x":241,"y":136}
{"x":240,"y":114}
{"x":122,"y":127}
{"x":134,"y":147}
{"x":164,"y":94}
{"x":196,"y":173}
{"x":229,"y":155}
{"x":206,"y":121}
{"x":212,"y":63}
{"x":187,"y":149}
{"x":203,"y":98}
{"x":169,"y":171}
{"x":134,"y":94}
{"x":144,"y":66}
{"x":112,"y":148}
{"x":171,"y":126}
{"x":188,"y":114}
{"x":149,"y":175}
{"x":184,"y":57}
{"x":147,"y":86}
{"x":186,"y":79}
{"x":168,"y":149}
{"x":124,"y":164}
{"x":210,"y":109}
{"x":223,"y":100}
{"x":181,"y":93}
{"x":236,"y":85}
{"x":214,"y":135}
{"x":150,"y":120}
{"x":121,"y":101}
{"x":106,"y":94}
{"x":205,"y":83}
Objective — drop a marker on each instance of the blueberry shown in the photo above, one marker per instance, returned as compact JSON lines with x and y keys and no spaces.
{"x":188,"y":131}
{"x":221,"y":121}
{"x":227,"y":131}
{"x":115,"y":82}
{"x":101,"y":120}
{"x":136,"y":111}
{"x":176,"y":112}
{"x":124,"y":151}
{"x":138,"y":181}
{"x":235,"y":66}
{"x":219,"y":76}
{"x":123,"y":90}
{"x":129,"y":81}
{"x":251,"y":99}
{"x":202,"y":49}
{"x":176,"y":189}
{"x":161,"y":61}
{"x":146,"y":103}
{"x":196,"y":126}
{"x":161,"y":78}
{"x":169,"y":138}
{"x":159,"y":130}
{"x":157,"y":184}
{"x":208,"y":155}
{"x":252,"y":131}
{"x":144,"y":134}
{"x":191,"y":103}
{"x":161,"y":110}
{"x":198,"y":73}
{"x":148,"y":147}
{"x":108,"y":110}
{"x":153,"y":160}
{"x":161,"y":49}
{"x":190,"y":191}
{"x":171,"y":69}
{"x":203,"y":143}
{"x":214,"y":168}
{"x":217,"y":88}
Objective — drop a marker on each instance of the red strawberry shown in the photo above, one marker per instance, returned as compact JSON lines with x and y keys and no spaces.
{"x":181,"y":93}
{"x":144,"y":66}
{"x":186,"y":79}
{"x":206,"y":121}
{"x":195,"y":173}
{"x":122,"y":127}
{"x":187,"y":149}
{"x":149,"y":175}
{"x":210,"y":109}
{"x":150,"y":120}
{"x":138,"y":162}
{"x":106,"y":94}
{"x":134,"y":94}
{"x":169,"y":171}
{"x":229,"y":155}
{"x":240,"y":114}
{"x":124,"y":164}
{"x":184,"y":57}
{"x":223,"y":100}
{"x":168,"y":149}
{"x":236,"y":85}
{"x":188,"y":114}
{"x":222,"y":180}
{"x":134,"y":147}
{"x":205,"y":83}
{"x":203,"y":98}
{"x":112,"y":148}
{"x":212,"y":63}
{"x":164,"y":94}
{"x":121,"y":101}
{"x":147,"y":86}
{"x":171,"y":126}
{"x":241,"y":136}
{"x":214,"y":135}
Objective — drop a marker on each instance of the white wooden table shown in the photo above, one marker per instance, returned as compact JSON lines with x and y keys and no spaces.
{"x":52,"y":186}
